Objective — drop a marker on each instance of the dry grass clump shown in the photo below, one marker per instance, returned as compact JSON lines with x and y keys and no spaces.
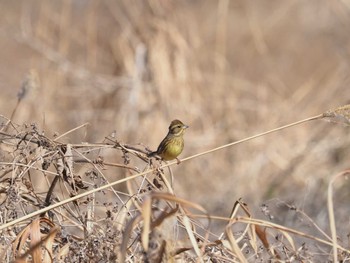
{"x":59,"y":206}
{"x":72,"y":72}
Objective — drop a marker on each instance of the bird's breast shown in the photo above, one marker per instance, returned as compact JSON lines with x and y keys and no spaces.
{"x":174,"y":149}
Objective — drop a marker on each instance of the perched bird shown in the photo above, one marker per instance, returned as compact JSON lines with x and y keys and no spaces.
{"x":173,"y":144}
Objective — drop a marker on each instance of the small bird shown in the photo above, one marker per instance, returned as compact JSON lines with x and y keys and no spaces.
{"x":172,"y":145}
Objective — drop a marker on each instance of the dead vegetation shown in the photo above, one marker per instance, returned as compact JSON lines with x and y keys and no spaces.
{"x":88,"y":87}
{"x":144,"y":222}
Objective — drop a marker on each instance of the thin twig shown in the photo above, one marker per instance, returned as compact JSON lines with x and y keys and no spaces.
{"x":147,"y":172}
{"x":70,"y":131}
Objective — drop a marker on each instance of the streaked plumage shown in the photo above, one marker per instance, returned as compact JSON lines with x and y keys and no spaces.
{"x":172,"y":145}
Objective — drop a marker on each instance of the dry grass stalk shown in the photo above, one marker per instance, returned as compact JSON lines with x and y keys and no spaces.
{"x":143,"y":215}
{"x":339,"y":115}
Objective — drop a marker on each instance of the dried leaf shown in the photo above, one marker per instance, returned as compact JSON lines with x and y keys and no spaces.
{"x":37,"y":244}
{"x":233,"y":244}
{"x":68,"y":156}
{"x":146,"y":214}
{"x":188,"y":226}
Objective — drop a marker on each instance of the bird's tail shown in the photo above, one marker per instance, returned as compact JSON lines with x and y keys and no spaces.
{"x":152,"y":154}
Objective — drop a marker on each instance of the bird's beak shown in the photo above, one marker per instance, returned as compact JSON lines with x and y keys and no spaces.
{"x":186,"y":126}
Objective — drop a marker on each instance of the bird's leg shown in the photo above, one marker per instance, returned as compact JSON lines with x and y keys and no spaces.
{"x":178,"y":161}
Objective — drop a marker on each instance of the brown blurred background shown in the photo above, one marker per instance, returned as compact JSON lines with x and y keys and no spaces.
{"x":229,"y":69}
